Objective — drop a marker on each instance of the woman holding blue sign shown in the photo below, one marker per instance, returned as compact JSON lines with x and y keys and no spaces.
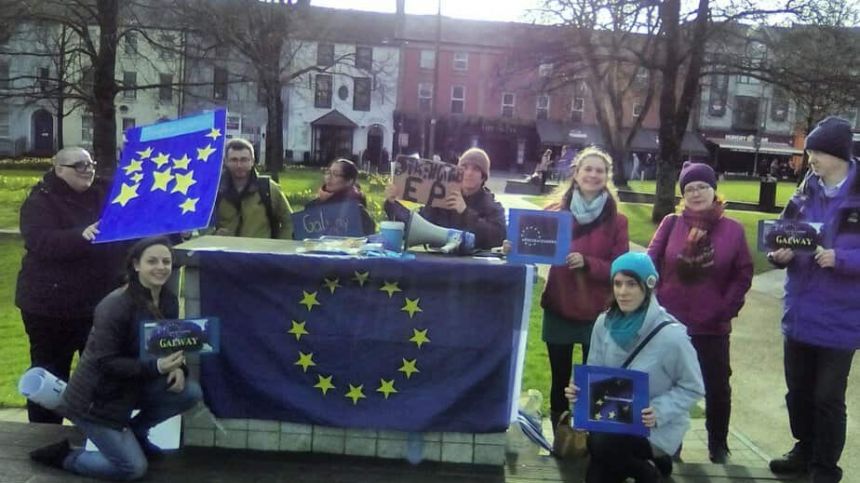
{"x":638,"y":334}
{"x":340,"y":185}
{"x":112,"y":379}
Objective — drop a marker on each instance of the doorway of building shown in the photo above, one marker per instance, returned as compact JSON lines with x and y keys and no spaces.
{"x":43,"y":133}
{"x":373,"y":153}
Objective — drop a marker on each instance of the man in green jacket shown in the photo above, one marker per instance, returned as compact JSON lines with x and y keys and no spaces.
{"x":249,"y":205}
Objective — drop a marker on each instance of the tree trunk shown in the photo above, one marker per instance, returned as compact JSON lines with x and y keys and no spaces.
{"x":275,"y":133}
{"x":104,"y":83}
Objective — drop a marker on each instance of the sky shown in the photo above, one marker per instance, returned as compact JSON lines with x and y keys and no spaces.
{"x":500,"y":10}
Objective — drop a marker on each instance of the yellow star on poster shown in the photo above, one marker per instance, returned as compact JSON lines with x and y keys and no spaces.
{"x":145,"y":154}
{"x":126,"y":194}
{"x":309,"y":300}
{"x":598,"y":417}
{"x":599,"y":402}
{"x":183,"y":182}
{"x":136,"y":177}
{"x":190,"y":204}
{"x":611,"y":414}
{"x":133,"y":165}
{"x":409,"y":367}
{"x":419,"y":337}
{"x":298,"y":329}
{"x":204,"y":153}
{"x":411,"y":306}
{"x":161,"y":160}
{"x":361,"y":278}
{"x":390,"y":288}
{"x":332,"y":284}
{"x":305,"y":360}
{"x":214,"y":134}
{"x":386,"y":387}
{"x":181,"y":163}
{"x":324,"y":384}
{"x":355,"y":393}
{"x":160,"y":180}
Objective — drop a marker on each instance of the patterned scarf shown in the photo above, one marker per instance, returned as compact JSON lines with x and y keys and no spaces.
{"x":587,"y":211}
{"x":697,"y":258}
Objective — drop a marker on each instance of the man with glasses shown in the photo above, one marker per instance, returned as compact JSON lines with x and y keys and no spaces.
{"x":63,"y":275}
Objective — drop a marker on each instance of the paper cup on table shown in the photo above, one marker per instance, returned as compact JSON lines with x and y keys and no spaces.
{"x":392,"y":235}
{"x":42,"y":387}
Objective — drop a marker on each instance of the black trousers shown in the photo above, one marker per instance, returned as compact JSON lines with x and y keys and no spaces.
{"x":616,"y":457}
{"x":561,"y":365}
{"x":713,"y":355}
{"x":817,"y":378}
{"x":53,"y":343}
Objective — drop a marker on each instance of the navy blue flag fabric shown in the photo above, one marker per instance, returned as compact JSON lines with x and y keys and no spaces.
{"x":167,"y":178}
{"x":428,"y":345}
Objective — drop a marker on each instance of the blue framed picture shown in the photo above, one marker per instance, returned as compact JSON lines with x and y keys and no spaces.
{"x":797,"y":235}
{"x":539,"y":236}
{"x":159,"y":338}
{"x":610,"y":400}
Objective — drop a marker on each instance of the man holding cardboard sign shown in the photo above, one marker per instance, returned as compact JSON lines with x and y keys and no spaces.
{"x":452,"y":197}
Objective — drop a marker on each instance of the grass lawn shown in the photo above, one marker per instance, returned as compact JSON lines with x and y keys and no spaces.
{"x":14,"y":348}
{"x":734,"y":190}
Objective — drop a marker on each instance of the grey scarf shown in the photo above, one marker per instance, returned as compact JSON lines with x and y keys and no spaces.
{"x":584,"y":212}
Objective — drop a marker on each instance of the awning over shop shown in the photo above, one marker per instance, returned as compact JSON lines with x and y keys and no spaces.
{"x":334,"y":118}
{"x":559,"y":133}
{"x":747,"y":146}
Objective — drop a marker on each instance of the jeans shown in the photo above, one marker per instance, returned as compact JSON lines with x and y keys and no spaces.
{"x":713,"y":355}
{"x":120,"y":456}
{"x":817,"y":378}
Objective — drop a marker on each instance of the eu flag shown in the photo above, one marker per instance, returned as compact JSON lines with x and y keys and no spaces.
{"x":167,"y":178}
{"x":427,"y":345}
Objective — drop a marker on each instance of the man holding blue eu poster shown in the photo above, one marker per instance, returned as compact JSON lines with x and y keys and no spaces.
{"x":63,"y":275}
{"x":249,"y":205}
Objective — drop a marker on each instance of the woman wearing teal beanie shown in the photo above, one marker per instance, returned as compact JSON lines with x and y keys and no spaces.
{"x":674,"y":377}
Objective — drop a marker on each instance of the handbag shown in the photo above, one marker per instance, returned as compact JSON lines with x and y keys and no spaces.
{"x":569,"y":443}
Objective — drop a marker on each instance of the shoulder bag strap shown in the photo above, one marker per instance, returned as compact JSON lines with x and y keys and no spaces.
{"x":644,"y":343}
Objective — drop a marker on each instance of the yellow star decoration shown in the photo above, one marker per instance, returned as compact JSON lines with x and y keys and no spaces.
{"x":361,"y":278}
{"x":355,"y":393}
{"x":324,"y":384}
{"x":309,"y":300}
{"x":161,"y":178}
{"x":136,"y":177}
{"x":160,"y":160}
{"x":598,"y":417}
{"x":298,"y":329}
{"x":126,"y":194}
{"x":214,"y":134}
{"x":133,"y":165}
{"x":332,"y":284}
{"x":411,"y":306}
{"x":181,"y":163}
{"x":390,"y":288}
{"x":145,"y":154}
{"x":190,"y":204}
{"x":409,"y":367}
{"x":386,"y":387}
{"x":183,"y":182}
{"x":611,"y":414}
{"x":204,"y":153}
{"x":599,"y":402}
{"x":305,"y":360}
{"x":419,"y":337}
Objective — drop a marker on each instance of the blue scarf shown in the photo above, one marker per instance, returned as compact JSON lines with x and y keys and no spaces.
{"x":584,"y":212}
{"x":623,"y":328}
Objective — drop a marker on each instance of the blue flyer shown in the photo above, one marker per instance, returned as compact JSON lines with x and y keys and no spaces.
{"x":610,"y":400}
{"x":162,"y":337}
{"x":539,"y":236}
{"x":333,"y":219}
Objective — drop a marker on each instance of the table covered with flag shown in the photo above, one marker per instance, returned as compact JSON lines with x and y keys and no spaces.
{"x":433,"y":344}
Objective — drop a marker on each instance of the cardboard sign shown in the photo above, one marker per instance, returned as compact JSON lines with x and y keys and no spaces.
{"x":159,"y":338}
{"x":425,"y":181}
{"x":539,"y":236}
{"x":610,"y":400}
{"x":797,"y":235}
{"x":332,"y":219}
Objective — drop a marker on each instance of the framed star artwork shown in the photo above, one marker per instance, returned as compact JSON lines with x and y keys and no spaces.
{"x":610,"y":400}
{"x":159,"y":338}
{"x":539,"y":236}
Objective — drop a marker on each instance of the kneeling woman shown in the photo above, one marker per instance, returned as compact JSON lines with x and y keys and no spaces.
{"x":674,"y":377}
{"x":340,"y":185}
{"x":111,"y":379}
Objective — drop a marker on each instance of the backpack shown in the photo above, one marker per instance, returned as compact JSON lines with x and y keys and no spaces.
{"x":265,"y":190}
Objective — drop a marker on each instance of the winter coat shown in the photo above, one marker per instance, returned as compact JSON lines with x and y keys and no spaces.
{"x":244,"y":215}
{"x":62,"y":274}
{"x":368,"y":226}
{"x":706,"y":306}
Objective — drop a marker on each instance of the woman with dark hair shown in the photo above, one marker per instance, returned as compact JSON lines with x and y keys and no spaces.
{"x":112,"y":378}
{"x":636,"y":325}
{"x":340,"y":185}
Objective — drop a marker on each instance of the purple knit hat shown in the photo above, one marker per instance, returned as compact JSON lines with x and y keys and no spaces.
{"x":697,"y":172}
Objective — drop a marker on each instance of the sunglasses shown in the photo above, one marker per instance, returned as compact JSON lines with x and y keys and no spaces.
{"x":82,"y":166}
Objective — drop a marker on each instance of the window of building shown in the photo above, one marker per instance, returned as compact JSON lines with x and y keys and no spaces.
{"x":458,"y":99}
{"x":165,"y":88}
{"x":87,"y":127}
{"x":361,"y":94}
{"x":779,"y":105}
{"x":4,"y":121}
{"x":325,"y":54}
{"x":508,"y":104}
{"x":745,"y":79}
{"x":219,"y":83}
{"x":461,"y":61}
{"x":577,"y":108}
{"x":43,"y":78}
{"x":129,"y":43}
{"x":129,"y":81}
{"x":364,"y":58}
{"x":425,"y":96}
{"x":4,"y":75}
{"x":545,"y":70}
{"x":542,"y":107}
{"x":745,"y":114}
{"x":128,"y":123}
{"x":637,"y":109}
{"x":427,"y":59}
{"x":718,"y":95}
{"x":322,"y":93}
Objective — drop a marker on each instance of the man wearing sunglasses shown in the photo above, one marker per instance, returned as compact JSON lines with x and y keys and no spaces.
{"x":63,"y":275}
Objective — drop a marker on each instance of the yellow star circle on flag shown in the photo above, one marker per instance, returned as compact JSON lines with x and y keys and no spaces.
{"x":419,"y":337}
{"x":324,"y":384}
{"x":411,"y":306}
{"x":145,"y":153}
{"x":355,"y":393}
{"x":133,"y":165}
{"x":181,"y":163}
{"x":204,"y":153}
{"x":190,"y":204}
{"x":386,"y":387}
{"x":361,"y":278}
{"x":309,"y":300}
{"x":160,"y":160}
{"x":160,"y":180}
{"x":298,"y":329}
{"x":409,"y":367}
{"x":183,"y":182}
{"x":214,"y":134}
{"x":126,"y":194}
{"x":332,"y":284}
{"x":390,"y":288}
{"x":305,"y":360}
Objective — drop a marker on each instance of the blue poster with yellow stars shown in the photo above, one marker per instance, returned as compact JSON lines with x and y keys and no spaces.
{"x":431,"y":344}
{"x":167,"y":178}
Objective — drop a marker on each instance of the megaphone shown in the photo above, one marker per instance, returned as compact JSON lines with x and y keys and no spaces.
{"x":421,"y":232}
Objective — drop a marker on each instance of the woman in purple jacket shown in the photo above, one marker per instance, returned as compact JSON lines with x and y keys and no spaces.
{"x":705,"y":271}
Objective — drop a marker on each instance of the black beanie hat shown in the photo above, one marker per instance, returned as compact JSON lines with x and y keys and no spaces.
{"x":832,"y":136}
